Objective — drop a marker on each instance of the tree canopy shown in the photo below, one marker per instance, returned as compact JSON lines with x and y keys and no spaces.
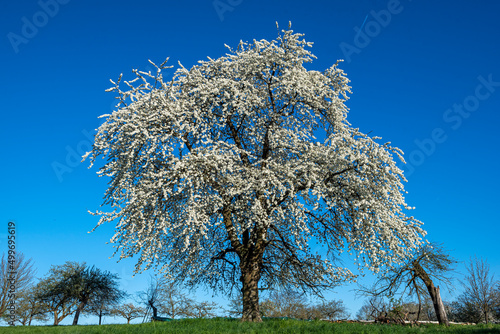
{"x":223,"y":174}
{"x":73,"y":287}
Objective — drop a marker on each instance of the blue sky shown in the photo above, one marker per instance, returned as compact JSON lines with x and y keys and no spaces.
{"x":424,"y":76}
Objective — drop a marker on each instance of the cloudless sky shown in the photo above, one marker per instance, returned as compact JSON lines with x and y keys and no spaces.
{"x":425,"y":76}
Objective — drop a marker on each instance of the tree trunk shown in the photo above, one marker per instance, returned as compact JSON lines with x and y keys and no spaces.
{"x":77,"y":313}
{"x":56,"y":318}
{"x":434,"y":293}
{"x":250,"y":276}
{"x":100,"y":316}
{"x":486,"y":312}
{"x":419,"y":306}
{"x":155,"y":310}
{"x":439,"y":307}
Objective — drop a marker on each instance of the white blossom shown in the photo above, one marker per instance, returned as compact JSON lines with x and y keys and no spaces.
{"x":225,"y":155}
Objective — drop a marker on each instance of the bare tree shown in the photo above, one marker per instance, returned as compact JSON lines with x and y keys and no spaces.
{"x":365,"y":312}
{"x":285,"y":303}
{"x":373,"y":308}
{"x":479,"y":287}
{"x":333,"y":310}
{"x":175,"y":303}
{"x":463,"y":310}
{"x":203,"y":309}
{"x":29,"y":308}
{"x":416,"y":277}
{"x":235,"y":305}
{"x":16,"y":274}
{"x":153,"y":296}
{"x":496,"y":309}
{"x":128,"y":311}
{"x":165,"y":297}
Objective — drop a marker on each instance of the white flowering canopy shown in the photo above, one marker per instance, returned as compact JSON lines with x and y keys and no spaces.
{"x":222,"y":159}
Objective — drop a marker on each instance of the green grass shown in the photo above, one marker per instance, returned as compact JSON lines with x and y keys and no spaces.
{"x":222,"y":326}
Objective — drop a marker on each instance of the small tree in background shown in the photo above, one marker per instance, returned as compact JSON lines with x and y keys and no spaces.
{"x":333,"y":310}
{"x":23,"y":278}
{"x":285,"y":303}
{"x":29,"y":308}
{"x":128,"y":311}
{"x":163,"y":296}
{"x":463,"y":310}
{"x":72,"y":287}
{"x":92,"y":286}
{"x":174,"y":303}
{"x":496,"y":308}
{"x":235,"y":305}
{"x":153,"y":297}
{"x":203,"y":309}
{"x":102,"y":304}
{"x":55,"y":293}
{"x":99,"y":310}
{"x":373,"y":308}
{"x":480,"y":289}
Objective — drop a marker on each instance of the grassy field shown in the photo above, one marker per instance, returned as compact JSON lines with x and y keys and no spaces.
{"x":222,"y":326}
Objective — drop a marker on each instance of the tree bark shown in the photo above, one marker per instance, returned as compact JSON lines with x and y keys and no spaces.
{"x":250,"y":279}
{"x":251,"y":265}
{"x":77,"y":313}
{"x":434,"y":293}
{"x":441,"y":309}
{"x":56,"y":318}
{"x":155,"y":310}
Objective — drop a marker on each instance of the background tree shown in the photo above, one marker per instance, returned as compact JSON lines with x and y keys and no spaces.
{"x":333,"y":310}
{"x":55,"y":293}
{"x":496,"y":308}
{"x":235,"y":305}
{"x":153,"y":297}
{"x":373,"y":308}
{"x":128,"y":311}
{"x":29,"y":308}
{"x":416,"y":278}
{"x":479,"y":289}
{"x":219,"y":175}
{"x":23,"y":278}
{"x":90,"y":285}
{"x":103,"y":304}
{"x":285,"y":303}
{"x":463,"y":310}
{"x":165,"y":297}
{"x":98,"y":309}
{"x":174,"y":303}
{"x":203,"y":309}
